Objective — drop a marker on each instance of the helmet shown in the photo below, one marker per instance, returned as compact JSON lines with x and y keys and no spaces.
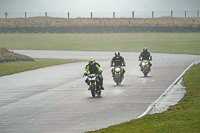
{"x":91,"y":60}
{"x":117,"y":54}
{"x":144,"y":49}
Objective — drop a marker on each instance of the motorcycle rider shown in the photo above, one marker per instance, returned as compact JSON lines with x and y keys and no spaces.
{"x":145,"y":55}
{"x":117,"y":60}
{"x":94,"y":68}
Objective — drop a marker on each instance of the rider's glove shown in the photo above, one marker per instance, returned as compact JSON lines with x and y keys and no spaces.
{"x":100,"y":72}
{"x":85,"y":74}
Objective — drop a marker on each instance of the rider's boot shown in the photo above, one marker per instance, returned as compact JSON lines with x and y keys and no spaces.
{"x":123,"y":76}
{"x":102,"y":88}
{"x":89,"y":85}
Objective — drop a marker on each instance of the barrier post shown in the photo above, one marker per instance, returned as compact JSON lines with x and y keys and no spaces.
{"x":25,"y":15}
{"x":185,"y":14}
{"x":197,"y":13}
{"x":152,"y":14}
{"x":68,"y":15}
{"x":132,"y":14}
{"x":91,"y":14}
{"x":171,"y":14}
{"x":113,"y":14}
{"x":6,"y":15}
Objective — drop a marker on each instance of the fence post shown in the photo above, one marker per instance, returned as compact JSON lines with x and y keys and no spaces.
{"x":113,"y":14}
{"x":6,"y":15}
{"x":25,"y":15}
{"x":171,"y":14}
{"x":45,"y":14}
{"x":91,"y":14}
{"x":68,"y":15}
{"x":152,"y":14}
{"x":185,"y":14}
{"x":132,"y":14}
{"x":197,"y":13}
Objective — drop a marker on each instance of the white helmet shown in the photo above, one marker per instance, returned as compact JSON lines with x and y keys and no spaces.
{"x":91,"y":60}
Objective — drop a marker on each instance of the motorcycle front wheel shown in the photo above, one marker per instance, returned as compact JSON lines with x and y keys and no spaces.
{"x":117,"y":79}
{"x":92,"y":88}
{"x":145,"y":74}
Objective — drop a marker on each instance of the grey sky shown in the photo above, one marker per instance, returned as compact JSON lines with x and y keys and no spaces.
{"x":97,"y":5}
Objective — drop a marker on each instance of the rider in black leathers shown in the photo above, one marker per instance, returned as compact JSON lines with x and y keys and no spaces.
{"x":145,"y":55}
{"x":117,"y":60}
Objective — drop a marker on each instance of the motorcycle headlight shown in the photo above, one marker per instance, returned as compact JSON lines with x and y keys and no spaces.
{"x":117,"y":69}
{"x":143,"y":63}
{"x":94,"y":78}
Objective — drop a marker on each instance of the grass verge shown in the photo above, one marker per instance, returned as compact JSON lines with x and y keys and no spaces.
{"x":177,"y":43}
{"x":183,"y":117}
{"x":16,"y":67}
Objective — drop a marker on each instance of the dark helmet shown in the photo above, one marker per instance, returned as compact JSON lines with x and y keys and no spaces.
{"x":91,"y":61}
{"x":117,"y":54}
{"x":144,"y":49}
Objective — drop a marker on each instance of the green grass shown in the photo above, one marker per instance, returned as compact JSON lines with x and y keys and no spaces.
{"x":177,"y":43}
{"x":183,"y":117}
{"x":16,"y":67}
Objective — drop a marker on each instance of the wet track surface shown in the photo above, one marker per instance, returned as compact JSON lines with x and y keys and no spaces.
{"x":56,"y":99}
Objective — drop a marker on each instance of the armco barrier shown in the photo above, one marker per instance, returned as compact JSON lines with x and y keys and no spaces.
{"x":99,"y":29}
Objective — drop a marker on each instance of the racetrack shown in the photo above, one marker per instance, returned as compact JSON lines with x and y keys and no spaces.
{"x":56,"y":99}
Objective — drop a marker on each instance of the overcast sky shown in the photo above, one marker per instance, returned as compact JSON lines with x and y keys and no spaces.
{"x":97,"y":5}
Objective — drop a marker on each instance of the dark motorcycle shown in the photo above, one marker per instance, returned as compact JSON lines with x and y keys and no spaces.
{"x":118,"y":74}
{"x":94,"y":83}
{"x":145,"y":68}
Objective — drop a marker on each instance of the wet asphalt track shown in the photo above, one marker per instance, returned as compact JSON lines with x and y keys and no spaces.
{"x":56,"y":99}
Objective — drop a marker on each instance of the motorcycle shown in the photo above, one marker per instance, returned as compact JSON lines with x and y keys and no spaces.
{"x":118,"y":73}
{"x":94,"y":83}
{"x":145,"y":68}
